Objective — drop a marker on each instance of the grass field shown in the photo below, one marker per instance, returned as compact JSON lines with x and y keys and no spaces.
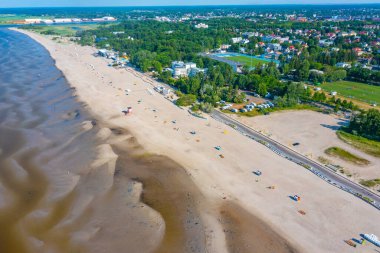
{"x":359,"y":91}
{"x":63,"y":30}
{"x":368,"y":146}
{"x":246,"y":60}
{"x":346,"y":156}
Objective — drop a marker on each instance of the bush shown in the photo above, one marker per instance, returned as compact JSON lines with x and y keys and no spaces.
{"x":206,"y":107}
{"x":186,"y":100}
{"x":195,"y":108}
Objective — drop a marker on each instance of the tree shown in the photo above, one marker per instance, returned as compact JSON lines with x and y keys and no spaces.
{"x":206,"y":107}
{"x":303,"y":72}
{"x":262,"y":89}
{"x":366,"y":124}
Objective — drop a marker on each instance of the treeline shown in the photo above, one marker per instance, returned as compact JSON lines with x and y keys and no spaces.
{"x":147,"y":42}
{"x":366,"y":124}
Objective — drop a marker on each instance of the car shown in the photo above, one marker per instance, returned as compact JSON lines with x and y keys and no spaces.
{"x":296,"y":144}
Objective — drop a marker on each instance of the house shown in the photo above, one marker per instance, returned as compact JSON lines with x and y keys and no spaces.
{"x":248,"y":35}
{"x":245,"y":41}
{"x":343,"y":65}
{"x":275,"y":46}
{"x":325,"y":43}
{"x":358,"y":51}
{"x":316,"y":71}
{"x":236,"y":40}
{"x":225,"y":47}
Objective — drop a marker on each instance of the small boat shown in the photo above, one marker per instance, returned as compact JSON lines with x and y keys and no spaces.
{"x":372,"y":238}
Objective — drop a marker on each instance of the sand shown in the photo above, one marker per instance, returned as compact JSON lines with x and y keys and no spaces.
{"x":315,"y":132}
{"x":332,"y":216}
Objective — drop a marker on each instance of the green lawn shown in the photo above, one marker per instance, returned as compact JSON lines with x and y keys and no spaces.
{"x":246,"y":60}
{"x":345,"y":155}
{"x":360,"y":91}
{"x":368,"y":146}
{"x":370,"y":183}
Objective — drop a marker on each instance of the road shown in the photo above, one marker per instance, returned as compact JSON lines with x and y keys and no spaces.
{"x":320,"y":170}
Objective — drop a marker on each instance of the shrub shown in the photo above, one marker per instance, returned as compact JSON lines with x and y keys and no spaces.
{"x":186,"y":100}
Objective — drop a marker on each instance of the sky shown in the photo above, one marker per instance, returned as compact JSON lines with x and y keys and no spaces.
{"x":80,"y":3}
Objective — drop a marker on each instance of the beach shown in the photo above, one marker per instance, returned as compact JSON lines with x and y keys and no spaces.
{"x":219,"y":184}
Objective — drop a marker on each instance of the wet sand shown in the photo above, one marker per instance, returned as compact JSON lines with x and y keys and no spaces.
{"x":246,"y":233}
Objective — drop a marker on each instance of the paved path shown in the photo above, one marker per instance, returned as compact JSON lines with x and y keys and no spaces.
{"x":320,"y":170}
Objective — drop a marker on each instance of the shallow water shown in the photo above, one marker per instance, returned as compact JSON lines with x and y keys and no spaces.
{"x":36,"y":117}
{"x":56,"y":195}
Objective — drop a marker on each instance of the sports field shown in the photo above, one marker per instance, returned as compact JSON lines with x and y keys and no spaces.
{"x":360,"y":91}
{"x":247,"y":60}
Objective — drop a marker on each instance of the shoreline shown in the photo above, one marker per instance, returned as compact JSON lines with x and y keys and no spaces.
{"x":235,"y":183}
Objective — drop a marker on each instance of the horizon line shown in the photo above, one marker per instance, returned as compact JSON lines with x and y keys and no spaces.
{"x":203,"y":5}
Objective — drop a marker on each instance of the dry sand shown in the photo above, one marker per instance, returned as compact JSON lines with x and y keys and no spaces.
{"x":332,"y":216}
{"x":315,"y":132}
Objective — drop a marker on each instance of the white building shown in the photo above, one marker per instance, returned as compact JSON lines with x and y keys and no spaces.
{"x":316,"y":71}
{"x":225,"y":46}
{"x":180,"y":71}
{"x":343,"y":65}
{"x":107,"y":18}
{"x":33,"y":20}
{"x":47,"y":21}
{"x":195,"y":71}
{"x":201,"y":25}
{"x":181,"y":68}
{"x":62,"y":20}
{"x":237,"y":40}
{"x":245,"y":41}
{"x":103,"y":19}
